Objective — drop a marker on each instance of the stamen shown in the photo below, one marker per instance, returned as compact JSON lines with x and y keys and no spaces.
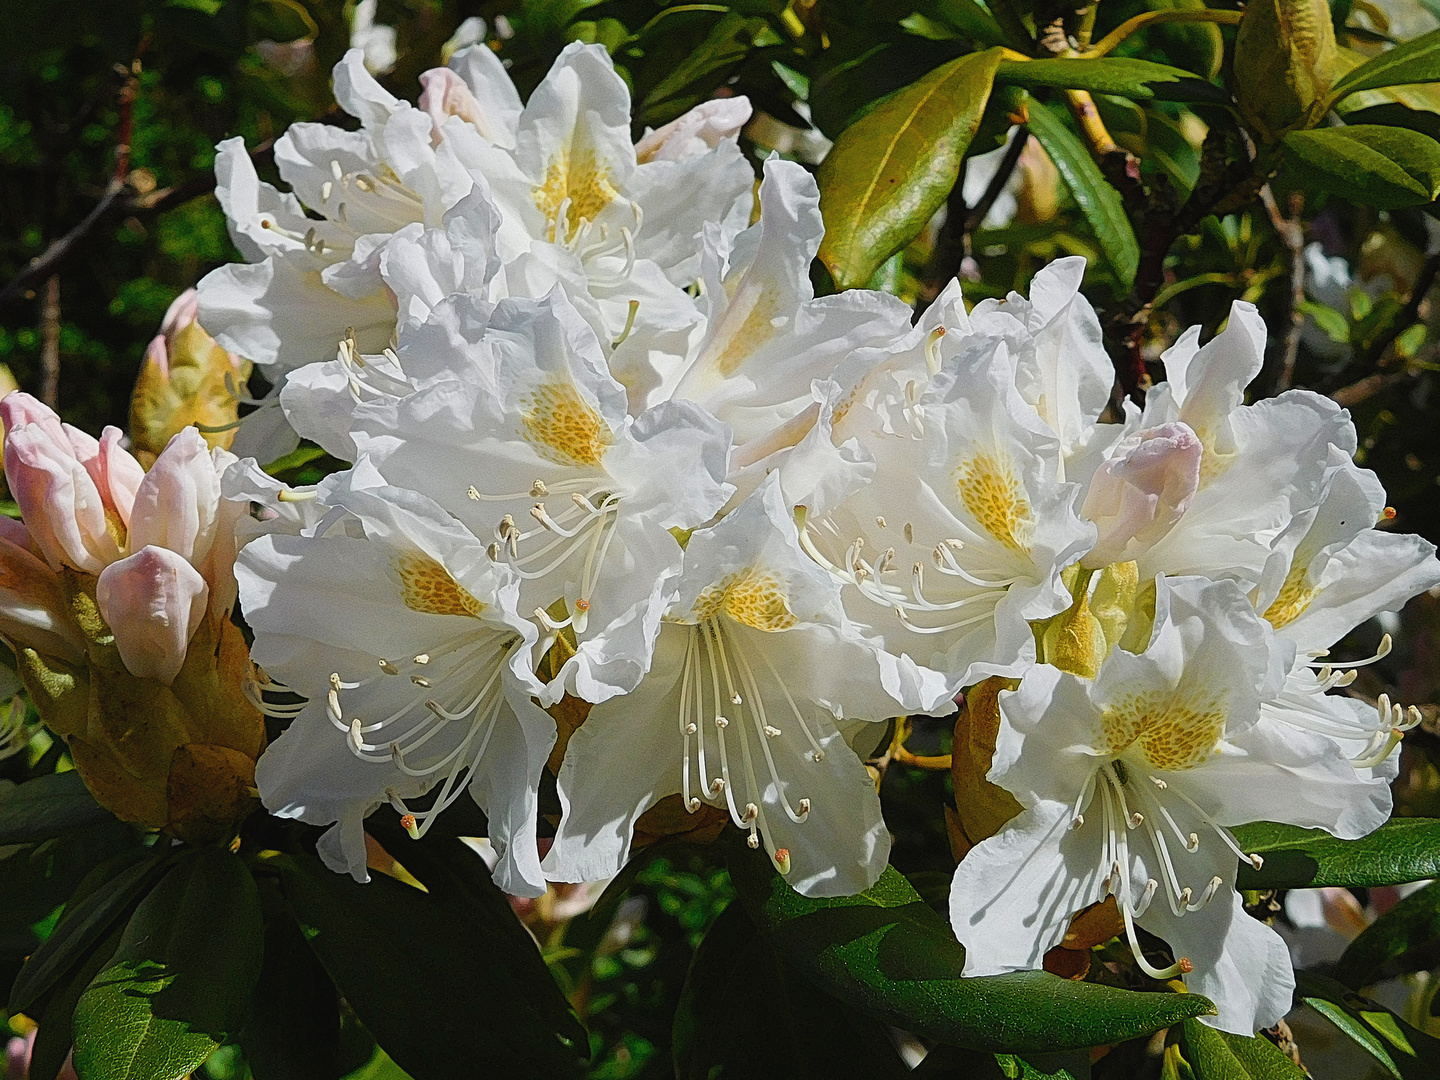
{"x":629,"y":325}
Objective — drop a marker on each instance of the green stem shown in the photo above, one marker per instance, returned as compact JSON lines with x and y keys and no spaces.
{"x":1152,"y":18}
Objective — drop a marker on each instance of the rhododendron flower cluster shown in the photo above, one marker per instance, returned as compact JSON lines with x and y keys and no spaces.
{"x":628,"y":502}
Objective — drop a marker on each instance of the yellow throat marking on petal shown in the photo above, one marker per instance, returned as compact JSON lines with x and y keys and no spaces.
{"x":1294,"y":597}
{"x":993,"y":495}
{"x":1173,"y":734}
{"x":577,"y":175}
{"x":751,"y":597}
{"x":563,"y":427}
{"x":427,"y":586}
{"x":754,"y":330}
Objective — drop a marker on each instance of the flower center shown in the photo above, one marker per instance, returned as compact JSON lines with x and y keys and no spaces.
{"x":752,"y":598}
{"x":576,"y":189}
{"x":563,"y":427}
{"x":994,"y":497}
{"x":1173,"y":733}
{"x":426,"y":586}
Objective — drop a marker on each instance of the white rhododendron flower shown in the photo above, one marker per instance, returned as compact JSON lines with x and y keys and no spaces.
{"x":308,"y":279}
{"x":1331,"y":571}
{"x":522,"y":433}
{"x":767,"y":337}
{"x":388,"y":617}
{"x":1129,"y":782}
{"x":603,"y":428}
{"x":958,"y":541}
{"x":157,"y":543}
{"x":755,"y":666}
{"x":564,"y":170}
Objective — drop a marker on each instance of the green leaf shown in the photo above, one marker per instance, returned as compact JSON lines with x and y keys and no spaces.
{"x":1404,"y":1052}
{"x":426,"y":982}
{"x":1413,"y":61}
{"x":892,"y":169}
{"x":888,"y":954}
{"x":300,"y":456}
{"x":180,"y":981}
{"x":46,"y":806}
{"x":1098,"y":201}
{"x":1335,"y":325}
{"x":968,"y":17}
{"x":1198,"y":46}
{"x":114,"y":890}
{"x":459,"y":879}
{"x":1413,"y":922}
{"x":1402,"y":850}
{"x":55,"y":1036}
{"x":1220,"y":1055}
{"x":1379,"y":166}
{"x":800,"y":1034}
{"x":293,"y":1029}
{"x":38,"y":880}
{"x":1138,"y":79}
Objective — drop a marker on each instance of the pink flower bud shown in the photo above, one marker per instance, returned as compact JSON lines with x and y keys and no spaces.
{"x":58,"y":497}
{"x":183,"y":311}
{"x":1138,"y":494}
{"x":444,"y":95}
{"x":153,"y":602}
{"x":116,"y":473}
{"x":696,"y":132}
{"x":175,"y":503}
{"x":33,"y":612}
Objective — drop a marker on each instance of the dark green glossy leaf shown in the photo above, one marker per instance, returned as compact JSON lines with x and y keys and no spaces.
{"x":459,"y":879}
{"x":892,"y":169}
{"x":1098,"y":201}
{"x":967,"y":17}
{"x":799,"y":1034}
{"x":1386,"y":167}
{"x":181,"y":978}
{"x":958,"y":1063}
{"x":1413,"y":61}
{"x":725,"y":45}
{"x":36,"y":880}
{"x":55,"y":1036}
{"x":1404,"y":1052}
{"x":1406,"y":849}
{"x":888,"y":954}
{"x":1127,"y":77}
{"x":293,"y":1029}
{"x":1198,"y":46}
{"x":46,"y":806}
{"x":422,"y":978}
{"x":1413,"y":922}
{"x":1220,"y":1055}
{"x":112,"y":893}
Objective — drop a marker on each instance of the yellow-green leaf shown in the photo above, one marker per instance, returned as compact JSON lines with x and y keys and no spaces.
{"x":891,"y":170}
{"x":1415,"y":61}
{"x":1372,"y":164}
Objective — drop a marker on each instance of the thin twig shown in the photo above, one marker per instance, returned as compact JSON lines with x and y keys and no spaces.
{"x":115,"y":199}
{"x":1292,"y":235}
{"x":953,"y":243}
{"x":976,"y":217}
{"x":50,"y":343}
{"x":1347,"y":397}
{"x":47,"y":262}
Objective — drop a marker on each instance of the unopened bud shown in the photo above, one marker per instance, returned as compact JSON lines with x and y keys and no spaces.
{"x":185,"y":379}
{"x":1285,"y":65}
